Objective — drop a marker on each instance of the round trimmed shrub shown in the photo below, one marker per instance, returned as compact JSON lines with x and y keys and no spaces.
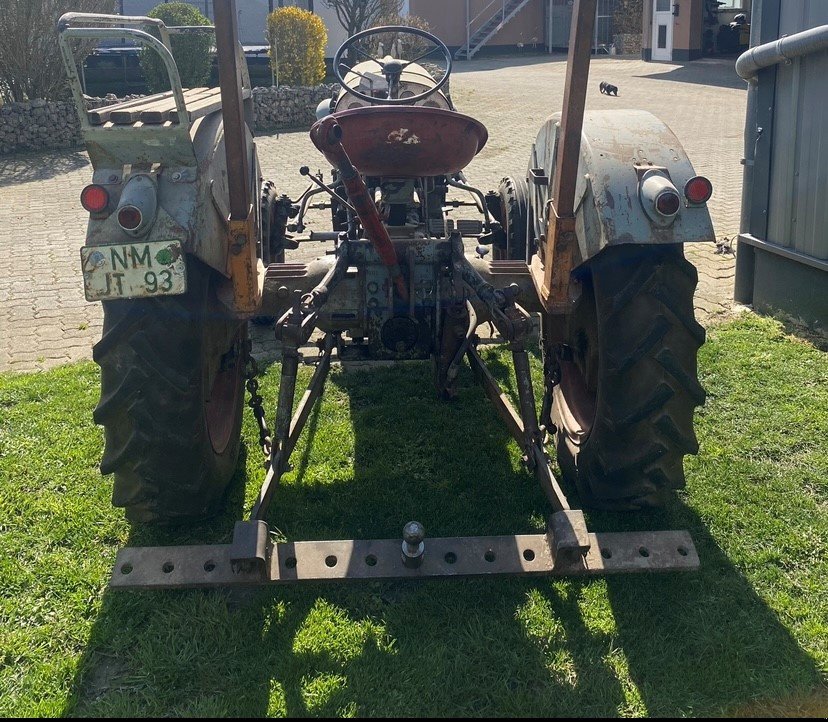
{"x":297,"y":46}
{"x":190,"y":50}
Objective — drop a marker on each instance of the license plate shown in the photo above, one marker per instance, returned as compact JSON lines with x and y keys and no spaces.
{"x":133,"y":270}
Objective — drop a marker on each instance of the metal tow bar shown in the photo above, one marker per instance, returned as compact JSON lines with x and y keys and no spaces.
{"x":252,"y":558}
{"x":524,"y":554}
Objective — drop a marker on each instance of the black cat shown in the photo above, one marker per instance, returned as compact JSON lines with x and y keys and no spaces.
{"x":608,"y":89}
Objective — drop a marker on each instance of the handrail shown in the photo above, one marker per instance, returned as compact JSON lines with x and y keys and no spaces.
{"x":67,"y":19}
{"x":492,"y":2}
{"x":786,"y":48}
{"x":487,"y":13}
{"x":65,"y":32}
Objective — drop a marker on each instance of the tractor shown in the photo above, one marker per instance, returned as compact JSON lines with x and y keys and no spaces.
{"x":186,"y":244}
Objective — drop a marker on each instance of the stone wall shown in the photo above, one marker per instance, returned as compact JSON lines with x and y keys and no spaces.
{"x":284,"y":107}
{"x":628,"y":43}
{"x":38,"y":124}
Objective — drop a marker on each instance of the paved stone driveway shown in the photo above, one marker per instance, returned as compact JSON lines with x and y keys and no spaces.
{"x":45,"y":321}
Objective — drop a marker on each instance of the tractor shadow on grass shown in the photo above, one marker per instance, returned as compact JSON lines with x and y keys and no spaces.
{"x":380,"y":451}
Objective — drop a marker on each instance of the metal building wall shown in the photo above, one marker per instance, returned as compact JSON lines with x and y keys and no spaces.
{"x":782,"y":260}
{"x":798,"y":202}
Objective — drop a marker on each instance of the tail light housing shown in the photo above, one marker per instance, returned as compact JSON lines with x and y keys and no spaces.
{"x":138,"y":204}
{"x":94,"y":198}
{"x":698,"y":190}
{"x":659,"y":197}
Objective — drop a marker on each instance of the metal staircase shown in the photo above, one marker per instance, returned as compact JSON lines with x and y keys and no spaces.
{"x":486,"y":24}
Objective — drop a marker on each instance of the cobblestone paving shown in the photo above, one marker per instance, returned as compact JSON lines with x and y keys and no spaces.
{"x":45,"y":320}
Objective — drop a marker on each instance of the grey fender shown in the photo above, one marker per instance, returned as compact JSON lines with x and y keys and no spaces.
{"x":616,"y":148}
{"x":208,"y":236}
{"x":192,"y":193}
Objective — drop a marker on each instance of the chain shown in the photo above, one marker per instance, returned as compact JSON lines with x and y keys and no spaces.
{"x":255,"y":403}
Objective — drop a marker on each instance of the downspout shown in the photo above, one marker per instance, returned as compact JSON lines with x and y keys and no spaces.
{"x":743,"y":282}
{"x":763,"y":56}
{"x":468,"y":34}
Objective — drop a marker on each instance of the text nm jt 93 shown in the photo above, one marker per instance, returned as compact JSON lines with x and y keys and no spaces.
{"x":186,"y":243}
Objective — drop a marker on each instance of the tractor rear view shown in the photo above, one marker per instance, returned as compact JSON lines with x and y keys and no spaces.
{"x":186,"y":244}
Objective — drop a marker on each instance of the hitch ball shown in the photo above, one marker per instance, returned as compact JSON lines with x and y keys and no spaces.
{"x":413,"y":546}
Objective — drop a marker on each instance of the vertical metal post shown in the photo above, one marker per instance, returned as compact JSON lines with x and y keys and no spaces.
{"x":574,"y":101}
{"x":242,"y":227}
{"x":468,"y":35}
{"x":757,"y":152}
{"x":595,"y":32}
{"x":551,"y":273}
{"x":238,"y":169}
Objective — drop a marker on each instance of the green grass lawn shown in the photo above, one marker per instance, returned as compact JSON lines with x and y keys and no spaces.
{"x":747,"y":633}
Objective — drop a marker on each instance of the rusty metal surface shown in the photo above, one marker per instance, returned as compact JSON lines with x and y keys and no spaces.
{"x":560,"y":247}
{"x":241,"y":262}
{"x":327,"y":135}
{"x":230,"y":82}
{"x":279,"y":278}
{"x":568,"y":535}
{"x":295,"y":425}
{"x":535,"y":456}
{"x":560,"y":258}
{"x":410,"y":142}
{"x":522,"y":554}
{"x":497,"y":397}
{"x":574,"y":101}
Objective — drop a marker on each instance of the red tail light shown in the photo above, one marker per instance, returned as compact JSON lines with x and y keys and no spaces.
{"x":698,"y":190}
{"x":129,"y":218}
{"x":94,"y":198}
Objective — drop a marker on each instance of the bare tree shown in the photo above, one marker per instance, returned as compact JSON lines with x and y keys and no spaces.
{"x":357,"y":15}
{"x":30,"y":64}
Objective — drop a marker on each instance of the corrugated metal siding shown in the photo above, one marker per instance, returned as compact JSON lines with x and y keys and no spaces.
{"x":560,"y":25}
{"x":798,"y":203}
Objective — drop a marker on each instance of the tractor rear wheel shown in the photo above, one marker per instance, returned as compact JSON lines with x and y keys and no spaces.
{"x":623,"y":408}
{"x":511,"y":213}
{"x":271,"y":244}
{"x":172,"y":373}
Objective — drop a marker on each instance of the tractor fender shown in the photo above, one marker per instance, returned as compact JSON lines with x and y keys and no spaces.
{"x":210,"y":210}
{"x":192,"y":196}
{"x":617,"y":148}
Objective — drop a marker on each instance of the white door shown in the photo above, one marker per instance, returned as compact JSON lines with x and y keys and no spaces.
{"x":662,"y":29}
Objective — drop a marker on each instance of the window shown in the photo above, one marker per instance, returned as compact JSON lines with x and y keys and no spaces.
{"x":662,"y":6}
{"x":662,"y":36}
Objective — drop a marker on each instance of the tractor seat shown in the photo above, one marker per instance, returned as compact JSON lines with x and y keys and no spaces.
{"x":410,"y":141}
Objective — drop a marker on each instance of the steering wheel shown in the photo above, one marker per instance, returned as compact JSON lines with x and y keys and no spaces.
{"x":391,"y":68}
